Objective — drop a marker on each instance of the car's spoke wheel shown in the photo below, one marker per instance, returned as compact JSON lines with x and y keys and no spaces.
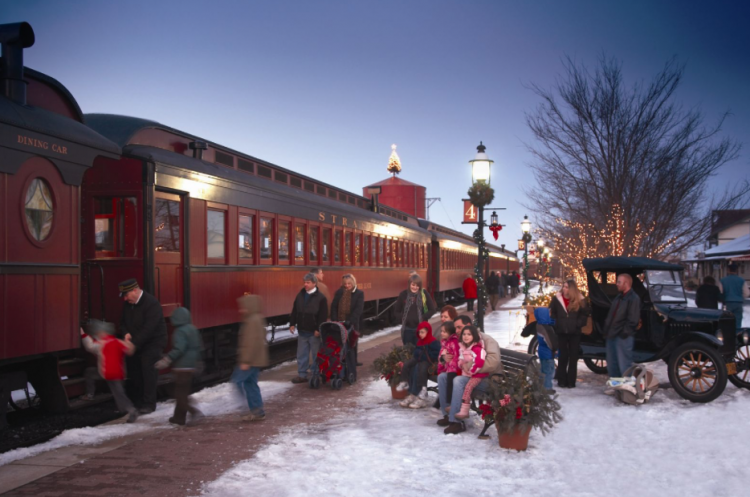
{"x":697,"y":372}
{"x":598,"y":366}
{"x":742,"y":361}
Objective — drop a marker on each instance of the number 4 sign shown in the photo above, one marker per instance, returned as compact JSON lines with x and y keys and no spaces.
{"x":470,"y":212}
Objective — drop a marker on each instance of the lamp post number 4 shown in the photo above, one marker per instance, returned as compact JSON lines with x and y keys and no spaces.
{"x":470,"y":212}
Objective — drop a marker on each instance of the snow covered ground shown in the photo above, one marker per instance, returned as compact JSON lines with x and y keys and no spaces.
{"x":214,"y":401}
{"x":667,"y":447}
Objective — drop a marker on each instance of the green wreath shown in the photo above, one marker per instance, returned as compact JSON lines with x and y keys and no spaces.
{"x":481,"y":194}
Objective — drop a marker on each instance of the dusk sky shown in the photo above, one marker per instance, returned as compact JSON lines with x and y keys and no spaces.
{"x":325,"y":87}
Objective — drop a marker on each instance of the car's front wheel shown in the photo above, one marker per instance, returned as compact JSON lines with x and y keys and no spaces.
{"x":598,"y":366}
{"x":697,"y":372}
{"x":742,"y":362}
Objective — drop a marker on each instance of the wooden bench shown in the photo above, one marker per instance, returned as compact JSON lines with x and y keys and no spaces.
{"x":513,"y":362}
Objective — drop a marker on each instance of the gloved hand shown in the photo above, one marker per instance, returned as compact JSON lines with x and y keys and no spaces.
{"x":163,"y":363}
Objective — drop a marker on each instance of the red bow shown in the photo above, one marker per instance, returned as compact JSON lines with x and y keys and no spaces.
{"x":495,"y":230}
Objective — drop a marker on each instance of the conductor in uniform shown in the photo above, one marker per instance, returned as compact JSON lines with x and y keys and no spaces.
{"x":143,"y":320}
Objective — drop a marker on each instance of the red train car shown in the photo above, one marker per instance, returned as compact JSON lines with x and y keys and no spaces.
{"x":46,"y":150}
{"x":92,"y":200}
{"x":199,"y":224}
{"x":454,"y":256}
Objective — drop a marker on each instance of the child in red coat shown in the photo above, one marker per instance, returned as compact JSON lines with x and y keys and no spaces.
{"x":470,"y":361}
{"x":110,"y":353}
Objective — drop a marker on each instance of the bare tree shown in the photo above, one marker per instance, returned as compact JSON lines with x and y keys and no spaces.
{"x":602,"y":144}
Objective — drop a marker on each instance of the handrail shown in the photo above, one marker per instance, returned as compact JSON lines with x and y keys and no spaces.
{"x":101,"y":288}
{"x":158,"y":270}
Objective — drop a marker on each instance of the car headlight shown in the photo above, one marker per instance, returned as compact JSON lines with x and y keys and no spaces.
{"x":720,"y":336}
{"x":745,"y":337}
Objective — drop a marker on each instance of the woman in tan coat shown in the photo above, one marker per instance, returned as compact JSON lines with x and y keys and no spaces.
{"x":252,"y":354}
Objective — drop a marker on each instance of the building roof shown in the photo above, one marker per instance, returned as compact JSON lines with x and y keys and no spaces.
{"x":738,"y":246}
{"x":395,"y":182}
{"x":723,"y":219}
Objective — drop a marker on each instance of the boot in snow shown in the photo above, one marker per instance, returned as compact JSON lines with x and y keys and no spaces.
{"x":408,"y":400}
{"x":464,"y":412}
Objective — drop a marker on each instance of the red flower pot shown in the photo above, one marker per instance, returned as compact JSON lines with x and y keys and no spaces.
{"x":517,"y":438}
{"x":399,"y":395}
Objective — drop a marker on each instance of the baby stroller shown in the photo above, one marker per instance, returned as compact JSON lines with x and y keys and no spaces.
{"x":336,"y":361}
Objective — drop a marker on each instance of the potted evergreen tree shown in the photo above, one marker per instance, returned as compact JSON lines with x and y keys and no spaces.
{"x":519,"y":402}
{"x":389,"y":367}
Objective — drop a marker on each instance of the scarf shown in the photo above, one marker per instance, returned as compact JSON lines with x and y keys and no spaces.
{"x":345,"y":305}
{"x":411,"y":299}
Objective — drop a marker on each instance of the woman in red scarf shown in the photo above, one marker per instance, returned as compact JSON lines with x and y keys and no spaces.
{"x":415,"y":371}
{"x":570,"y":313}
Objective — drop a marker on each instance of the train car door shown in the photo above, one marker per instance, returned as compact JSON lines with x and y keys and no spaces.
{"x":169,"y":241}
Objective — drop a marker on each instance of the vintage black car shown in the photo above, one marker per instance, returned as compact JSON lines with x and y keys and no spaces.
{"x":701,"y":346}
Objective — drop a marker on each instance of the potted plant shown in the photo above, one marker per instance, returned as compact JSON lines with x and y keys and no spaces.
{"x":389,"y":367}
{"x":519,"y":402}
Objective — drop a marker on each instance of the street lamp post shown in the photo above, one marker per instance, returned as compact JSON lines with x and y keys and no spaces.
{"x":480,"y":194}
{"x":526,"y":237}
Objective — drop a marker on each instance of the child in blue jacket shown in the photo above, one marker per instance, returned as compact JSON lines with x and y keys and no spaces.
{"x":547,"y":344}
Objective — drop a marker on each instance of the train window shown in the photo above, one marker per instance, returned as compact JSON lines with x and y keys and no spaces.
{"x":388,"y":252}
{"x":215,"y":232}
{"x":358,"y":253}
{"x":373,"y":251}
{"x":313,"y":233}
{"x":283,"y":241}
{"x":246,"y":237}
{"x":337,"y":247}
{"x":401,"y":258}
{"x":365,"y":249}
{"x":166,"y":225}
{"x":299,"y":243}
{"x":39,"y":209}
{"x":266,"y":239}
{"x":326,"y":244}
{"x":381,"y":251}
{"x":348,"y":248}
{"x":115,"y":227}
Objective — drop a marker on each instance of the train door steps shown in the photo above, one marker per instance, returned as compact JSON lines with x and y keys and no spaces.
{"x":71,"y":367}
{"x":80,"y":402}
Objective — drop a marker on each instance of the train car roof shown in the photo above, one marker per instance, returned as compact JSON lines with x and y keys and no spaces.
{"x":169,"y":158}
{"x":53,"y":124}
{"x":440,"y":232}
{"x":122,"y":129}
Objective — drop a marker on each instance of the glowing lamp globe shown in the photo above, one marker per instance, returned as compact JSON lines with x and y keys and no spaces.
{"x":480,"y":166}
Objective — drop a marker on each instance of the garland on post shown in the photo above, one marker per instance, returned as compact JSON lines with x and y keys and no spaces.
{"x":478,"y":272}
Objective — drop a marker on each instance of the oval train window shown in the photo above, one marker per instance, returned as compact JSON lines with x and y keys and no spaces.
{"x":39,"y":209}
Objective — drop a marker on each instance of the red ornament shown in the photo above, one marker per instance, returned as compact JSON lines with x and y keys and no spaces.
{"x":519,"y":413}
{"x":495,"y":230}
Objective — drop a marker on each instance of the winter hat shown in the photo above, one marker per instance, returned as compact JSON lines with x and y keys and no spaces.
{"x":429,"y":338}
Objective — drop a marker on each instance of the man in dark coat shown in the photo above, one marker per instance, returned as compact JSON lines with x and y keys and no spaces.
{"x":493,"y":289}
{"x":142,"y":319}
{"x":620,"y":327}
{"x":708,"y":295}
{"x":309,"y":311}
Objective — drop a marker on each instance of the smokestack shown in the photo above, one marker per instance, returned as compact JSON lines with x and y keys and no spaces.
{"x":198,"y":148}
{"x":14,"y":38}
